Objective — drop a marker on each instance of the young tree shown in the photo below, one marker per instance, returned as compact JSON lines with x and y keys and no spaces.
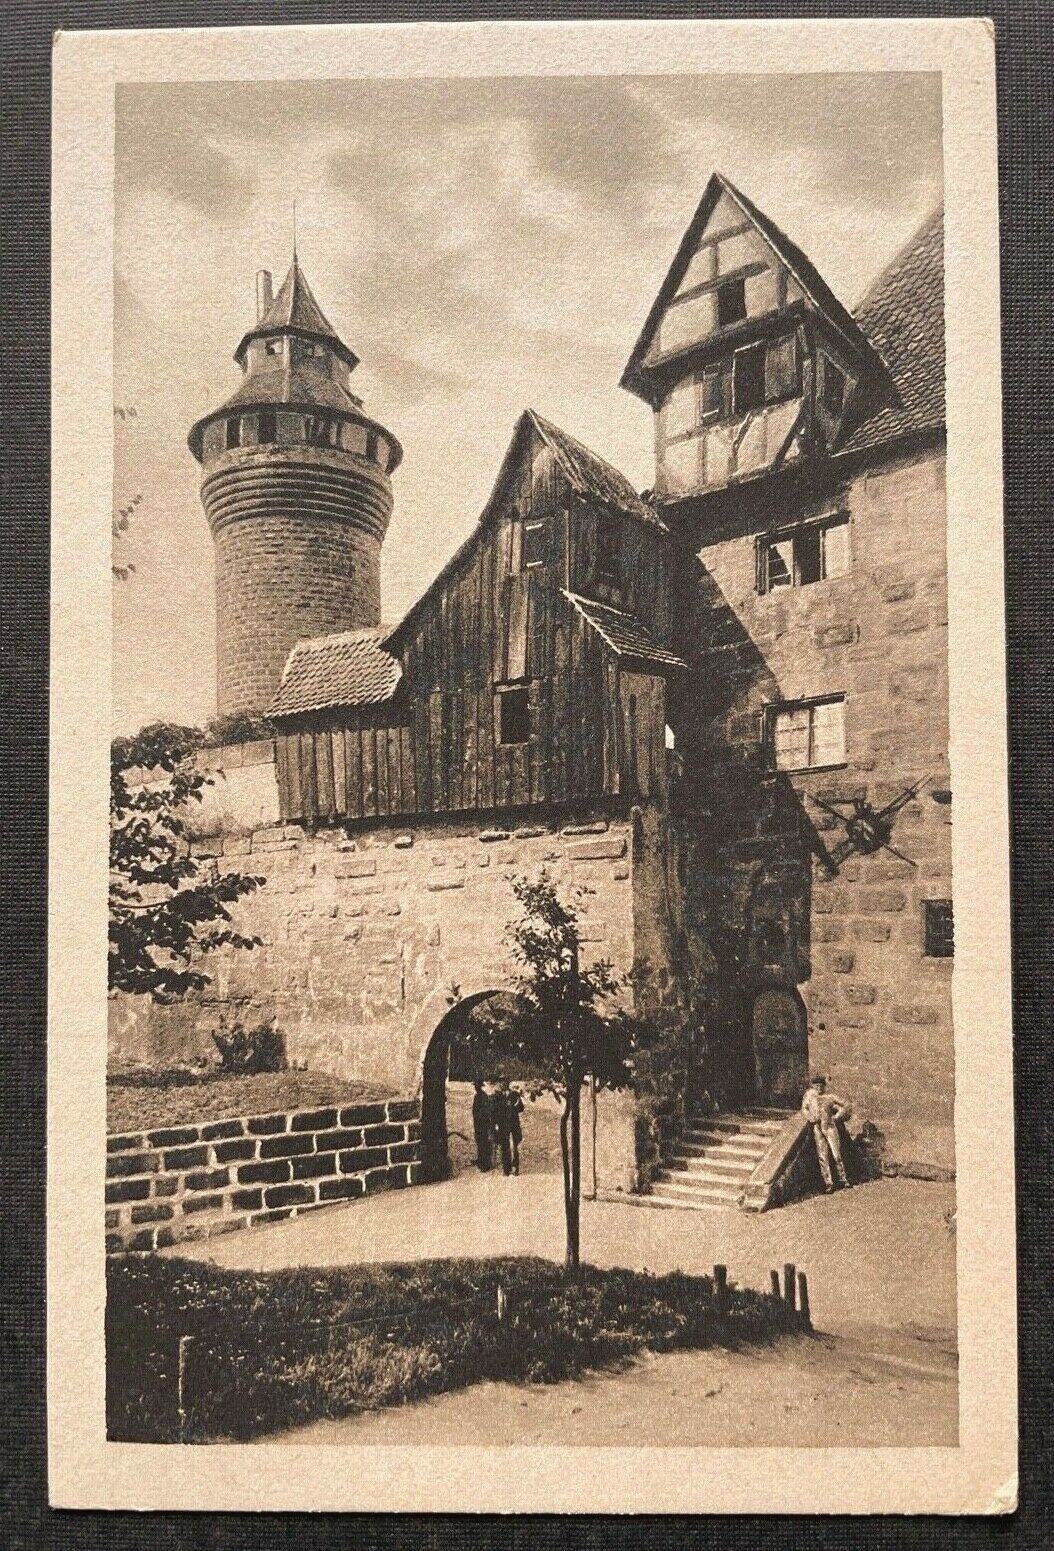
{"x":165,"y":905}
{"x":558,"y":1028}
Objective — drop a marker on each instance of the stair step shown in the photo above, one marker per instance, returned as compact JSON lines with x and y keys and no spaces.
{"x":666,"y":1185}
{"x":706,"y":1168}
{"x":742,"y":1141}
{"x":681,"y":1204}
{"x":733,"y":1123}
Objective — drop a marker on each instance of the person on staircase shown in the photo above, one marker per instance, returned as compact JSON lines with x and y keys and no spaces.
{"x":824,"y":1111}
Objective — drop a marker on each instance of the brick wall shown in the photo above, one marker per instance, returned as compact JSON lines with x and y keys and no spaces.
{"x":879,"y":1010}
{"x":191,"y":1181}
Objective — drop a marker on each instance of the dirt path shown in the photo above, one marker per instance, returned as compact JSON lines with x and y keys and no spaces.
{"x":881,"y":1267}
{"x":826,"y":1393}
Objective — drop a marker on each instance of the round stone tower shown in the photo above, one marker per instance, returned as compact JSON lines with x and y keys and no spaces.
{"x":297,"y":491}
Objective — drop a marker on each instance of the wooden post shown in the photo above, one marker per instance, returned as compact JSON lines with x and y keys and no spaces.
{"x":501,"y":1303}
{"x":721,"y":1291}
{"x":803,"y":1301}
{"x":181,"y":1386}
{"x":789,"y":1298}
{"x":775,"y":1279}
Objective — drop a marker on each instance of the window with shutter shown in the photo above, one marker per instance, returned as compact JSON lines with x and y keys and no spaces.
{"x":806,"y":734}
{"x":812,"y":552}
{"x":782,"y":375}
{"x":514,"y":716}
{"x":748,"y":379}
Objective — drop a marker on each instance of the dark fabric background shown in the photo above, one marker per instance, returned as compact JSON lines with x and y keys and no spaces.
{"x":1026,"y":85}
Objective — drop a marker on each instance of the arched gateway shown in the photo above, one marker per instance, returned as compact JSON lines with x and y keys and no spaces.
{"x":435,"y":1064}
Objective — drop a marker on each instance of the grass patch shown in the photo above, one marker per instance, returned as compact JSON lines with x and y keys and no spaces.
{"x":278,"y":1348}
{"x":143,"y":1098}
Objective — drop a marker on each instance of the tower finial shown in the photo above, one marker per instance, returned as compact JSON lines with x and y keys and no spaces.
{"x":294,"y":231}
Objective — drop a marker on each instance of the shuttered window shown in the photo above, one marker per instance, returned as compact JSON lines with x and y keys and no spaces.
{"x":514,"y":716}
{"x":535,"y":544}
{"x":813,"y":552}
{"x":782,"y":377}
{"x":806,"y":734}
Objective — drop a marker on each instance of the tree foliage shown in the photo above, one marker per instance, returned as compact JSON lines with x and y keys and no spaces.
{"x":166,"y":906}
{"x":562,"y":1025}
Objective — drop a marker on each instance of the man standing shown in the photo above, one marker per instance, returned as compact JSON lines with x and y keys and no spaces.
{"x":483,"y":1126}
{"x":508,"y":1106}
{"x":823,"y":1110}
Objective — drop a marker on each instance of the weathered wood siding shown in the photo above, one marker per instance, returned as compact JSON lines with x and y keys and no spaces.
{"x":489,"y":623}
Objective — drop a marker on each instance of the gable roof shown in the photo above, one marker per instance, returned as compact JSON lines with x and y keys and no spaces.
{"x":624,"y":635}
{"x":591,"y":475}
{"x":350,"y":668}
{"x":902,"y":314}
{"x":587,"y":473}
{"x":295,"y":311}
{"x":787,"y":252}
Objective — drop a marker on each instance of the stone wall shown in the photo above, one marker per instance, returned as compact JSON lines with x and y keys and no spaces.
{"x":367,"y":941}
{"x":879,"y":1010}
{"x":183,"y":1182}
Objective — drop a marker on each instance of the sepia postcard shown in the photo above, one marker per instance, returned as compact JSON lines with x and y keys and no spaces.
{"x":530,"y":977}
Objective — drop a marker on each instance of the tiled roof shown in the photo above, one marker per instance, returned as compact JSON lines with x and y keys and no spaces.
{"x":291,"y":386}
{"x":623,"y":634}
{"x":304,"y":389}
{"x":348,"y":669}
{"x":591,"y":475}
{"x":295,"y":310}
{"x":903,"y":317}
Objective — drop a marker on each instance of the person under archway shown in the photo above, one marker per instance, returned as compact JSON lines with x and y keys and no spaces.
{"x":483,"y":1125}
{"x":508,"y":1107}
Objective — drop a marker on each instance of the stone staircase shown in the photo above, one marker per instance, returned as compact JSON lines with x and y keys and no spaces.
{"x":714,"y":1157}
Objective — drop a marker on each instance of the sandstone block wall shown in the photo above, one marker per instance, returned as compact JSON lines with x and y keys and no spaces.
{"x":280,"y":578}
{"x":368,"y":940}
{"x":182,"y":1182}
{"x":879,"y":1009}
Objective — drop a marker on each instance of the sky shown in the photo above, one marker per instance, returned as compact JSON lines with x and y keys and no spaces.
{"x":484,"y":245}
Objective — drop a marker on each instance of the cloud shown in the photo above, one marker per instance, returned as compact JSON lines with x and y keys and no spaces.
{"x":482,"y":244}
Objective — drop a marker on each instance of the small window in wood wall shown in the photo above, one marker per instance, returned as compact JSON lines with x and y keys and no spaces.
{"x":607,"y":567}
{"x":535,"y":549}
{"x":514,"y":715}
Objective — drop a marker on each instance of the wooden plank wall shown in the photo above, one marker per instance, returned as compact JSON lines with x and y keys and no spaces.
{"x":436,"y":748}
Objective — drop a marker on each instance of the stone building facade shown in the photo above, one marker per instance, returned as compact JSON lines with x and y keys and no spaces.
{"x":722,"y":705}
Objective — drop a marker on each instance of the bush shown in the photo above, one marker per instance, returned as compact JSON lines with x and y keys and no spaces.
{"x":244,"y":1052}
{"x":273,"y":1349}
{"x":237,"y":727}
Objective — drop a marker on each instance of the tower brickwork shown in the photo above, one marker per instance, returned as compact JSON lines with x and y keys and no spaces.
{"x":297,"y":492}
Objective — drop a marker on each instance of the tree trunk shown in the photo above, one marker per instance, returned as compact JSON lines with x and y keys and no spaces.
{"x":574,"y":1198}
{"x":565,"y":1158}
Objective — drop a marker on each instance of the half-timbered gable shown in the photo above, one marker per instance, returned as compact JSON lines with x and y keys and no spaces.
{"x":531,"y":672}
{"x":747,"y":357}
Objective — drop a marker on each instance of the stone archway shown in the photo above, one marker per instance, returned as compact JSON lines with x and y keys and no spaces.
{"x":435,"y":1152}
{"x":779,"y":1034}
